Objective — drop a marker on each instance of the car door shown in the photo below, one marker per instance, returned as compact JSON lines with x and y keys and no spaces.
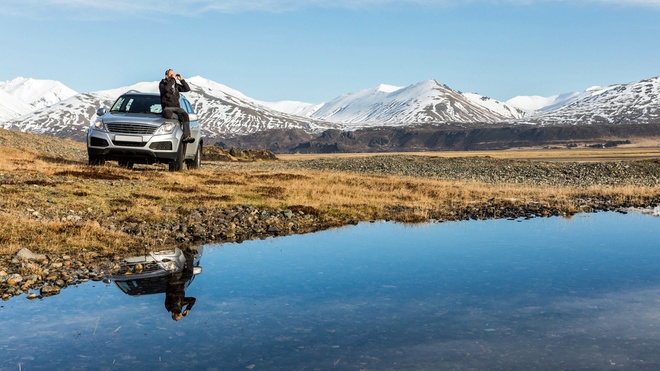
{"x":194,"y":129}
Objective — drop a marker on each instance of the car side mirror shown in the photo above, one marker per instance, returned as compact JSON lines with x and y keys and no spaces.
{"x":101,"y":111}
{"x":193,"y":117}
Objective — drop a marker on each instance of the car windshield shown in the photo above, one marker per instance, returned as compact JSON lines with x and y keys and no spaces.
{"x":138,"y":104}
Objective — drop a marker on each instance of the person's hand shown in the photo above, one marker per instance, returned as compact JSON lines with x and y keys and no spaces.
{"x":179,"y":77}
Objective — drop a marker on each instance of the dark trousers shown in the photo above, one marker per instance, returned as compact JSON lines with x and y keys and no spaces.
{"x":182,"y":115}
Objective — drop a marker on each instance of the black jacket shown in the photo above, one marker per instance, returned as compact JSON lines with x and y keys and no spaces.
{"x":169,"y":92}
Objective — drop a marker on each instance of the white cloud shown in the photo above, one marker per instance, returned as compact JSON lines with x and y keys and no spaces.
{"x":148,"y":8}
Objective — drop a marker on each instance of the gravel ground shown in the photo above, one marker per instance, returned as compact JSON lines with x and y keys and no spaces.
{"x":480,"y":169}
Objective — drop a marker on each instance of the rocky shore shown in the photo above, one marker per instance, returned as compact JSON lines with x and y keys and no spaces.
{"x":41,"y":275}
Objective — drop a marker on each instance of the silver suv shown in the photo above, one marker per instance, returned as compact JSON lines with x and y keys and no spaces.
{"x":134,"y":131}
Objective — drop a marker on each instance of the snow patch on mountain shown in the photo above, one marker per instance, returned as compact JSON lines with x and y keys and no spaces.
{"x":37,"y":93}
{"x":293,"y":107}
{"x":534,"y":104}
{"x":11,"y":108}
{"x":501,"y":108}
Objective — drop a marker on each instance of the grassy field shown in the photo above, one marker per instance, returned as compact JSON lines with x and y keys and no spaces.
{"x":66,"y":206}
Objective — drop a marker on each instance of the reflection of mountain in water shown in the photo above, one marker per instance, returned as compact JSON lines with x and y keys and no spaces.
{"x":150,"y":274}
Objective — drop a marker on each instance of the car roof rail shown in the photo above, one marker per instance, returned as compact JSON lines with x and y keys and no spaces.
{"x":134,"y":91}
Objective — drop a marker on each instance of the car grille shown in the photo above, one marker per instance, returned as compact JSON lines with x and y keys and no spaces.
{"x":131,"y":128}
{"x":127,"y":144}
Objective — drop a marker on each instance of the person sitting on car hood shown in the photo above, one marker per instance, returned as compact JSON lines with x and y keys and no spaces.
{"x":169,"y":101}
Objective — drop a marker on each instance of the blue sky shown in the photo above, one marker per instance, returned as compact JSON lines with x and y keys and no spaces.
{"x":315,"y":50}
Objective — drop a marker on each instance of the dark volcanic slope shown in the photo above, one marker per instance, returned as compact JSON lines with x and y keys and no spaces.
{"x":441,"y":137}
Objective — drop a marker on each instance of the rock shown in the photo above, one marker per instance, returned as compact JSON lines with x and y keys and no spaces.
{"x":32,"y":296}
{"x":96,"y":278}
{"x":273,"y":229}
{"x":15,"y":277}
{"x":50,"y":290}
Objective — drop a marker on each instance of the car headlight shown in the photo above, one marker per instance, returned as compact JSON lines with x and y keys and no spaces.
{"x":166,"y":128}
{"x":99,"y":125}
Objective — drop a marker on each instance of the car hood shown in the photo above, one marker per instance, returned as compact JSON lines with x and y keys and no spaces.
{"x":135,"y":118}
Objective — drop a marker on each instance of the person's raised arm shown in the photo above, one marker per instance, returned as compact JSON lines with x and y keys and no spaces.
{"x":184,"y":85}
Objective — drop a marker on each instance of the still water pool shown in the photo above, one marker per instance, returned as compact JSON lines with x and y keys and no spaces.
{"x":540,"y":294}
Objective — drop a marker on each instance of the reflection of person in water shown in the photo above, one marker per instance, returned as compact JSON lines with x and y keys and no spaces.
{"x":175,"y":294}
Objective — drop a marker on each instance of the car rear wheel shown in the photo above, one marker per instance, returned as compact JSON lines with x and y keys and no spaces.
{"x":177,"y":163}
{"x":196,"y":163}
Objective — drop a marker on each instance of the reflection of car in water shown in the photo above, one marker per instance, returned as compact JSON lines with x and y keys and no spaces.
{"x":167,"y":271}
{"x":149,"y":274}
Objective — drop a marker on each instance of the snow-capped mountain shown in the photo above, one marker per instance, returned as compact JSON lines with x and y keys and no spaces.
{"x":635,"y":102}
{"x":226,"y":112}
{"x":222,"y":111}
{"x":37,"y":93}
{"x":425,"y":102}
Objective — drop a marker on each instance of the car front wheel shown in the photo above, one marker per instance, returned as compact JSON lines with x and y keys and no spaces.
{"x":196,"y":163}
{"x":177,"y":163}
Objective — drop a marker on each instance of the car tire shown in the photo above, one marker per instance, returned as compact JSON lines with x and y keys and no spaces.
{"x":96,"y":160}
{"x":196,"y":162}
{"x":177,"y":163}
